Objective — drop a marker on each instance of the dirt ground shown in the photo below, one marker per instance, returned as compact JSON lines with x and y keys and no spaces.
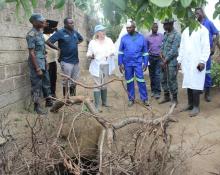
{"x":194,"y":134}
{"x":198,"y":133}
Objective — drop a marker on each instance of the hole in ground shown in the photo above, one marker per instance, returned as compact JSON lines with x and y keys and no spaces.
{"x":89,"y":166}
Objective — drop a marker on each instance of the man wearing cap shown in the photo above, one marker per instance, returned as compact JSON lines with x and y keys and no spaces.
{"x":51,"y":55}
{"x":213,"y":40}
{"x":133,"y":61}
{"x":68,"y":40}
{"x":169,"y":53}
{"x":100,"y":51}
{"x":37,"y":63}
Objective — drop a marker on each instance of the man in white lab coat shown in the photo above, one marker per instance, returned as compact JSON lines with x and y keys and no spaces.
{"x":193,"y":55}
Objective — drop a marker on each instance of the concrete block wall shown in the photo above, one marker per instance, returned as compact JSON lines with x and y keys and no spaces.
{"x":14,"y":73}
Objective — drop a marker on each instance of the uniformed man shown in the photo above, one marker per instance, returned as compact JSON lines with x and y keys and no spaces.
{"x":37,"y":63}
{"x":169,"y":53}
{"x":133,"y":61}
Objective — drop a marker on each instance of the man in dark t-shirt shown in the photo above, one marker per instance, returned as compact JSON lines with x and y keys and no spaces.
{"x":68,"y":40}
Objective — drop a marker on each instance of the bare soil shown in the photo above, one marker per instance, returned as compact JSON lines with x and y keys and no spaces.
{"x":193,"y":134}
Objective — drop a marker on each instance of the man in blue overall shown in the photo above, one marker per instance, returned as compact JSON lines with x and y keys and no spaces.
{"x":133,"y":61}
{"x":213,"y":39}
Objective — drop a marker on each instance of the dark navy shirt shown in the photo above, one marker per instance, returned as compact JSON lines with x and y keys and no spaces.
{"x":68,"y":44}
{"x":211,"y":28}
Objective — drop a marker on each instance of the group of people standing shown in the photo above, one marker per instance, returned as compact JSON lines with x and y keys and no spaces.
{"x":43,"y":54}
{"x":164,"y":54}
{"x":190,"y":52}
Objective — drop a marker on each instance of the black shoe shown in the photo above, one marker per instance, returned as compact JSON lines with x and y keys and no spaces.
{"x":146,"y":103}
{"x":194,"y":112}
{"x":188,"y":108}
{"x":39,"y":110}
{"x":157,"y":96}
{"x":166,"y":98}
{"x":49,"y":102}
{"x":196,"y":102}
{"x":207,"y":95}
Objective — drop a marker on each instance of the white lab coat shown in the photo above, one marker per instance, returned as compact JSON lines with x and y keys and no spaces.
{"x":194,"y":49}
{"x":102,"y":53}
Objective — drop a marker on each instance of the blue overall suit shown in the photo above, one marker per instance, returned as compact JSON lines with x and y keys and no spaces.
{"x":212,"y":31}
{"x":132,"y":54}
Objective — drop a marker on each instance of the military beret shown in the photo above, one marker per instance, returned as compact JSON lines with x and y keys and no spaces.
{"x":36,"y":17}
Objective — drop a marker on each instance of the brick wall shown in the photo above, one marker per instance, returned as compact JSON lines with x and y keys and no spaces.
{"x":14,"y":79}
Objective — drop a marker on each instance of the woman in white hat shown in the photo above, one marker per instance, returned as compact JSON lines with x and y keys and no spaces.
{"x":101,"y":50}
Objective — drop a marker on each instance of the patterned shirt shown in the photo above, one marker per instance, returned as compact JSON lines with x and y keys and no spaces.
{"x":35,"y":40}
{"x":169,"y":49}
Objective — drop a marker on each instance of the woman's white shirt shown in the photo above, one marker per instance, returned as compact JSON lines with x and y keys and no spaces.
{"x":103,"y":54}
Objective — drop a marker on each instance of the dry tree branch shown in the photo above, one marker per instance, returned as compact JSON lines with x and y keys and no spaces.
{"x":98,"y":86}
{"x":88,"y":86}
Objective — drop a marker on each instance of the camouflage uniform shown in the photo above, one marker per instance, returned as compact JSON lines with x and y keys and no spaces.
{"x":169,"y":50}
{"x":35,"y":40}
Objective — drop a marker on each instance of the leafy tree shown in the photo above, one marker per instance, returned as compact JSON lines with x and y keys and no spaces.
{"x":145,"y":11}
{"x":116,"y":11}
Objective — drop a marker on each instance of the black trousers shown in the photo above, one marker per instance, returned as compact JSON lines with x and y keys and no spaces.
{"x":53,"y":77}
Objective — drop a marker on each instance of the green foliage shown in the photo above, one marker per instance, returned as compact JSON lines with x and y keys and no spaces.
{"x":48,"y":3}
{"x":145,"y":12}
{"x":59,"y":3}
{"x":164,"y":3}
{"x":117,"y":11}
{"x":217,"y":10}
{"x":215,"y":73}
{"x":113,"y":31}
{"x":186,"y":3}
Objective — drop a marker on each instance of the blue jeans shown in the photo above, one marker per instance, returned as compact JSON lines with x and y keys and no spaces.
{"x":154,"y":71}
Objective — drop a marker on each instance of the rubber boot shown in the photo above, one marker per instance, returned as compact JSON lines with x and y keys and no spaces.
{"x":190,"y":101}
{"x":97,"y":95}
{"x":49,"y":102}
{"x":130,"y":103}
{"x":39,"y":110}
{"x":104,"y":98}
{"x":64,"y":92}
{"x":72,"y":90}
{"x":196,"y":101}
{"x":166,"y":98}
{"x":207,"y":95}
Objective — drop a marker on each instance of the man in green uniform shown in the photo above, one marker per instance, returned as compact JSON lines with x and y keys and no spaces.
{"x":169,"y":53}
{"x":37,"y":63}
